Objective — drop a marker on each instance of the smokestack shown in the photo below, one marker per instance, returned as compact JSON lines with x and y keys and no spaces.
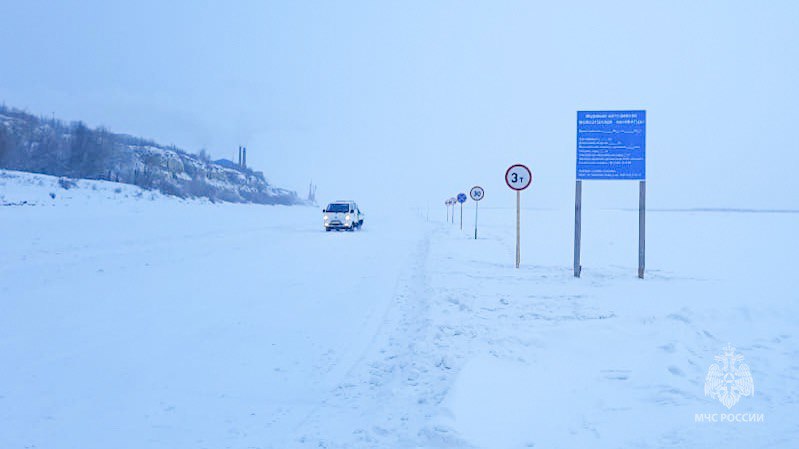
{"x":239,"y":155}
{"x":245,"y":157}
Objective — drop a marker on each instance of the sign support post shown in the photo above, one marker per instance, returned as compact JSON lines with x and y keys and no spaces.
{"x":641,"y":228}
{"x":450,"y":211}
{"x":518,"y":228}
{"x":477,"y":193}
{"x":476,"y":206}
{"x":518,"y":177}
{"x":578,"y":217}
{"x":461,"y":199}
{"x":611,"y":145}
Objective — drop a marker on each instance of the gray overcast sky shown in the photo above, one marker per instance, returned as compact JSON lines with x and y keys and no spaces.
{"x":419,"y":100}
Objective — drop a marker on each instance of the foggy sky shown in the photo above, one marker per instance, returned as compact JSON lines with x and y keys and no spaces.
{"x":416,"y":101}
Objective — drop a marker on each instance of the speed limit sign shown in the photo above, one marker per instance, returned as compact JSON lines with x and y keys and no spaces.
{"x":477,"y":193}
{"x":518,"y":177}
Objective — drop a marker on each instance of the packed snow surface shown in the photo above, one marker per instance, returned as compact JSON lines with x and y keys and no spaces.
{"x":133,"y":320}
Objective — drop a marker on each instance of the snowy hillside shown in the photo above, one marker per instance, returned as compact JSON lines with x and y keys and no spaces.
{"x":135,"y":320}
{"x":31,"y":189}
{"x":49,"y":146}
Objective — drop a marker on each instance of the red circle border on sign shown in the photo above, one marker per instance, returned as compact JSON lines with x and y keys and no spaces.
{"x":478,"y":187}
{"x":528,"y":171}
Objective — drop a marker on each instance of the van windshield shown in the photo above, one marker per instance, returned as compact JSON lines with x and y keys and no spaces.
{"x":333,"y":207}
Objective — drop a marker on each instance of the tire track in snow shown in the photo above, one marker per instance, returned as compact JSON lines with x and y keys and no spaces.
{"x":393,"y":391}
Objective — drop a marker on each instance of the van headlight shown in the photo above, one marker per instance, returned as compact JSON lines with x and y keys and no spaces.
{"x":347,"y":217}
{"x":326,"y":217}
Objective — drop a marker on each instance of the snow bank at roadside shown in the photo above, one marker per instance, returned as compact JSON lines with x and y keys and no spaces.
{"x":476,"y":353}
{"x":31,"y":189}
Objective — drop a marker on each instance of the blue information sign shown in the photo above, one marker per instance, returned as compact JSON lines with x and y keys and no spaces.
{"x":461,"y":197}
{"x":611,"y":145}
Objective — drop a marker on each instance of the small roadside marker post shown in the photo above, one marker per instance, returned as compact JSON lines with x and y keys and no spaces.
{"x":461,"y":199}
{"x":477,"y":193}
{"x":518,"y":177}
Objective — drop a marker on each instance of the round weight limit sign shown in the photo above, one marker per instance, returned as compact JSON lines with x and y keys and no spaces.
{"x":518,"y":177}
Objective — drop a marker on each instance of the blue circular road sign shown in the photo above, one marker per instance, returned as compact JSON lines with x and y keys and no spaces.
{"x":461,"y":197}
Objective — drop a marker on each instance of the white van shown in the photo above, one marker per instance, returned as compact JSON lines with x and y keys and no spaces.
{"x":342,"y":215}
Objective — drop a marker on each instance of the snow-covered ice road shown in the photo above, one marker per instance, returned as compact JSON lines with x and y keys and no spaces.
{"x":138,"y":321}
{"x":130,"y":322}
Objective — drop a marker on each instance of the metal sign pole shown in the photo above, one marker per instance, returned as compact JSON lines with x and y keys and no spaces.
{"x":476,"y":207}
{"x":578,"y":212}
{"x":641,"y":228}
{"x":477,"y":194}
{"x":611,"y":145}
{"x":518,"y":177}
{"x":461,"y":216}
{"x":518,"y":214}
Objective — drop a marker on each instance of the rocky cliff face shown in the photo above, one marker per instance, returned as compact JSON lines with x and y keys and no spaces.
{"x":34,"y":144}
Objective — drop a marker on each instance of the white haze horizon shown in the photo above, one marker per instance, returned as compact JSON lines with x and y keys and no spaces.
{"x":410,"y":103}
